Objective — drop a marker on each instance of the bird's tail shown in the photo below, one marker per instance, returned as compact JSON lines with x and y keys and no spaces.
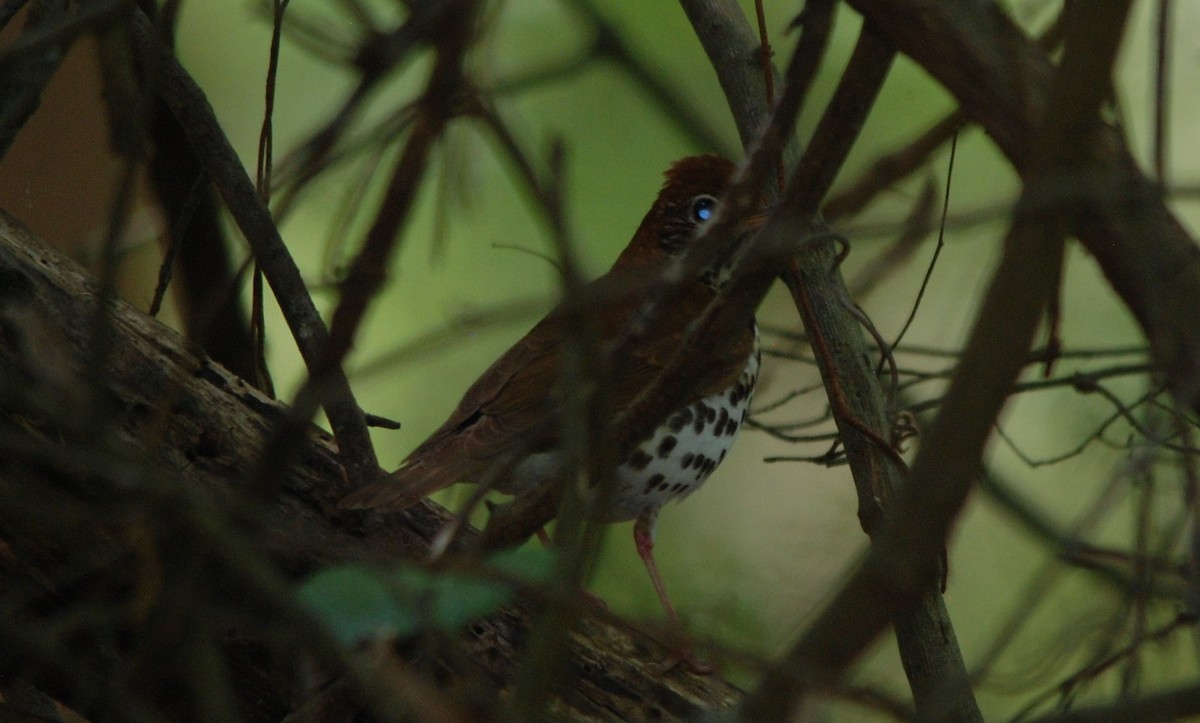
{"x":401,"y":489}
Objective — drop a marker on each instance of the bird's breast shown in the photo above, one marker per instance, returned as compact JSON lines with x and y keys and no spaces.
{"x":685,"y":449}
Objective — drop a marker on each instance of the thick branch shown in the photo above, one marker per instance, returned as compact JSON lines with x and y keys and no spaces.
{"x":732,"y":46}
{"x":200,"y":430}
{"x":925,"y":633}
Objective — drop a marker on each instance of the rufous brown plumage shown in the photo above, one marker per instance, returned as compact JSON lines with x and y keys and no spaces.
{"x":504,"y":430}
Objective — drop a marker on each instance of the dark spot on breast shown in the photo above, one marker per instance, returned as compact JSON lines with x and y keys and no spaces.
{"x":639,"y":459}
{"x":686,"y":461}
{"x":681,"y":419}
{"x":663,"y":487}
{"x":665,"y":446}
{"x":654,"y":481}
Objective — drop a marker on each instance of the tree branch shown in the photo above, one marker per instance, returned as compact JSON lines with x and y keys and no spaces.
{"x":187,"y":101}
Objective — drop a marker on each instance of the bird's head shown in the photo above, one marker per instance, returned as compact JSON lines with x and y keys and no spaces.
{"x":689,"y":200}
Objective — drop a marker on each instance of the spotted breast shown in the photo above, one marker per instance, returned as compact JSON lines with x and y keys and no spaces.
{"x":684,"y":451}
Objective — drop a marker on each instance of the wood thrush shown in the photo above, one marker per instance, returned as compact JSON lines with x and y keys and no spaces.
{"x":501,"y":422}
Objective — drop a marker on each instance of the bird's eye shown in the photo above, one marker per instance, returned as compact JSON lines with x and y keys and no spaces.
{"x":703,"y":208}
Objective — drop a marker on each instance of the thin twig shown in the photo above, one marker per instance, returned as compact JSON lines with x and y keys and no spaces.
{"x":937,"y":249}
{"x":1162,"y":81}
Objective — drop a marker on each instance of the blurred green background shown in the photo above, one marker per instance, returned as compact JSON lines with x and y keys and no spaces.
{"x":754,"y":555}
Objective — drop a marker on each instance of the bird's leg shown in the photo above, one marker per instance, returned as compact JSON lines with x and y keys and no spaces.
{"x":643,"y":538}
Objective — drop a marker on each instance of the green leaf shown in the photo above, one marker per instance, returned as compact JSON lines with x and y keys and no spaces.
{"x":358,"y":602}
{"x":355,"y":602}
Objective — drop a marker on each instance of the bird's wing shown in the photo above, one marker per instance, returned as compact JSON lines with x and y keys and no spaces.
{"x":509,"y":402}
{"x":677,"y":365}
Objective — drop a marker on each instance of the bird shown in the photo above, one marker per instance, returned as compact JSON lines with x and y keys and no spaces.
{"x":503,"y":428}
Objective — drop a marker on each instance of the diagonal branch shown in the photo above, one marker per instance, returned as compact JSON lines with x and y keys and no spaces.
{"x":187,"y":101}
{"x":903,"y":559}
